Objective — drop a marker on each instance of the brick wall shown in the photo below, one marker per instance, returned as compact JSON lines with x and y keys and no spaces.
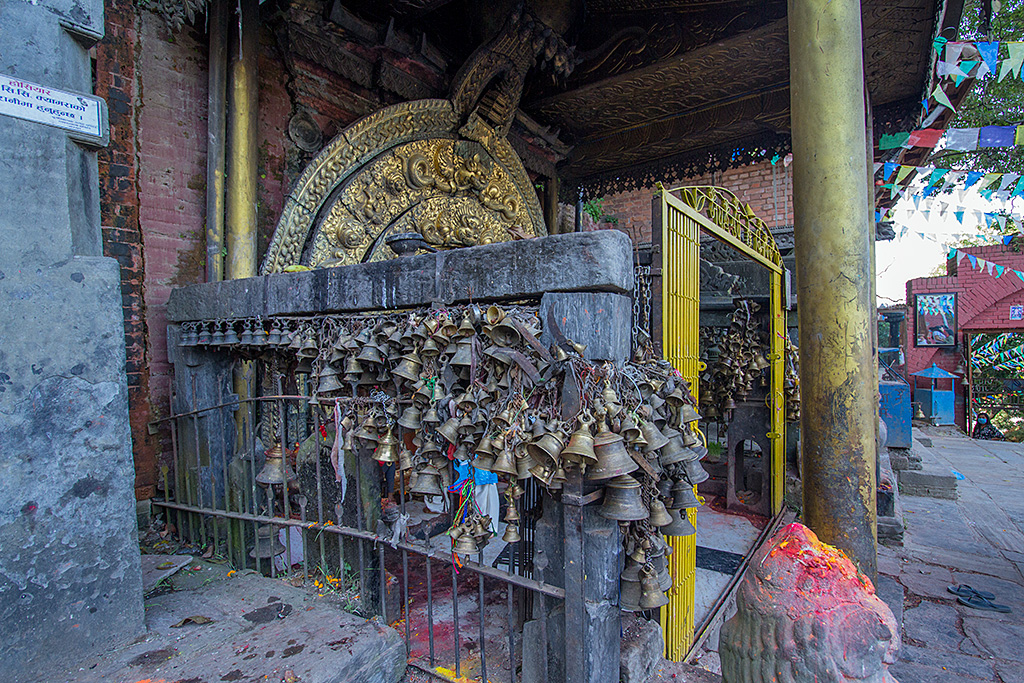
{"x":766,"y":188}
{"x":983,"y":305}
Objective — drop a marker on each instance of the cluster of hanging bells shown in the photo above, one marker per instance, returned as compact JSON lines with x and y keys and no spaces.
{"x":471,"y":535}
{"x":253,"y":334}
{"x":733,"y":359}
{"x":791,"y":382}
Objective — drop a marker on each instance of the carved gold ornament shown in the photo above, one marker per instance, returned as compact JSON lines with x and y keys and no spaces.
{"x":407,"y":168}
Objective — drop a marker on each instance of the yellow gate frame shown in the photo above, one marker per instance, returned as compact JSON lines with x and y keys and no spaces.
{"x":721,"y":214}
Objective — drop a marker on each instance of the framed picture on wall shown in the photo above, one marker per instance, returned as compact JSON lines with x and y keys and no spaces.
{"x":935,"y":319}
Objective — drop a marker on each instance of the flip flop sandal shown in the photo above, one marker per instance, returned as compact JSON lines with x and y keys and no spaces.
{"x":965,"y":591}
{"x":978,"y":602}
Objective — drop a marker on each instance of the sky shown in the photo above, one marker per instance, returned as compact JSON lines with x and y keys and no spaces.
{"x":912,"y":255}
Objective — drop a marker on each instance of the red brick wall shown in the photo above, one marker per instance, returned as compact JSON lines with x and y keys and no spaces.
{"x":983,"y":305}
{"x":766,"y":188}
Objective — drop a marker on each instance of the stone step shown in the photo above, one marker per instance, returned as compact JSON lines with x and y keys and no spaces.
{"x":260,"y":629}
{"x":932,"y":480}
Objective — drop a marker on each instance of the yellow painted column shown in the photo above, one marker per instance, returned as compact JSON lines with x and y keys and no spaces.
{"x":838,"y":379}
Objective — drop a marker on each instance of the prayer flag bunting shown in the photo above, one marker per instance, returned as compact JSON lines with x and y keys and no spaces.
{"x":996,"y":136}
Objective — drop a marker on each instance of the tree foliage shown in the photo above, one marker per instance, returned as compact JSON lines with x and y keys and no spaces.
{"x":990,"y":103}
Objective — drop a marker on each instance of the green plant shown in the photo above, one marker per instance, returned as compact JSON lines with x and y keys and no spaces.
{"x":595,"y":209}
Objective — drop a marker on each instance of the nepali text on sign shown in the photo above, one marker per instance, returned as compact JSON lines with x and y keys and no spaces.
{"x":70,"y":111}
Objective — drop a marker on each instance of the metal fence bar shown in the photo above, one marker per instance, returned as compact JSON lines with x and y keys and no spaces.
{"x":430,"y":612}
{"x":455,"y":618}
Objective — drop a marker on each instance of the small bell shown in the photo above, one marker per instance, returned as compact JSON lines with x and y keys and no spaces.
{"x":612,"y":458}
{"x":659,"y":515}
{"x":581,"y":444}
{"x":370,"y":353}
{"x":267,"y":543}
{"x":367,"y":429}
{"x":430,"y":417}
{"x":611,"y":400}
{"x":430,"y":349}
{"x":688,"y":414}
{"x":683,"y":497}
{"x":353,"y":369}
{"x":410,"y":418}
{"x":511,"y":534}
{"x":629,"y":431}
{"x":465,"y":544}
{"x":386,"y":453}
{"x":463,"y":353}
{"x":504,"y":333}
{"x":503,"y":464}
{"x":204,"y":335}
{"x":629,"y":588}
{"x":217,"y":338}
{"x":680,"y":525}
{"x":230,"y":336}
{"x":511,"y":513}
{"x":404,"y":459}
{"x":450,"y":430}
{"x":524,"y":464}
{"x":545,"y":450}
{"x":246,"y":338}
{"x":494,"y":315}
{"x":466,"y":328}
{"x":673,"y":452}
{"x":651,"y":595}
{"x":327,"y":381}
{"x":517,"y":492}
{"x":694,"y":473}
{"x":622,"y":500}
{"x":308,"y":348}
{"x":655,"y":439}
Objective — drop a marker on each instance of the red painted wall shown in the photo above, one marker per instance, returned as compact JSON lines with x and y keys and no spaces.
{"x":983,"y":305}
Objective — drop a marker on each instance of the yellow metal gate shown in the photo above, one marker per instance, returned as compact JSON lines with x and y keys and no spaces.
{"x":683,"y":213}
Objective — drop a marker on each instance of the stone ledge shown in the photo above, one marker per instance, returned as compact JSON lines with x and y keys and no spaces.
{"x":598,"y":261}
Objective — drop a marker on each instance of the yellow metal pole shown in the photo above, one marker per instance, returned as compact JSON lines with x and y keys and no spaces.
{"x":833,"y":249}
{"x":240,"y":210}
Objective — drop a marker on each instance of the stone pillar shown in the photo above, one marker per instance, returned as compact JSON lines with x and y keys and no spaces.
{"x":834,"y":235}
{"x":70,"y":584}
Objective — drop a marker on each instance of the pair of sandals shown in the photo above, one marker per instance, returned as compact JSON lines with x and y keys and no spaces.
{"x":977,"y":599}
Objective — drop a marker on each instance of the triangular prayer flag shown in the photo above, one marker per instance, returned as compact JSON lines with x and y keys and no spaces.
{"x":939,"y":95}
{"x":1018,"y":191}
{"x":1019,"y":138}
{"x":1012,"y":64}
{"x":904,"y":172}
{"x":988,"y":267}
{"x":1020,"y":275}
{"x":999,"y":271}
{"x":988,"y":180}
{"x":938,"y":42}
{"x":989,"y":53}
{"x":889,"y":169}
{"x":936,"y":175}
{"x":945,"y":68}
{"x":965,"y":70}
{"x":1008,"y":180}
{"x":972,"y":178}
{"x":959,"y":216}
{"x":953,"y":50}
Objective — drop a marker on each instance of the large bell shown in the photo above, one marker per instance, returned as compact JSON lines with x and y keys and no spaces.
{"x":463,"y":353}
{"x":267,"y":543}
{"x":275,"y":469}
{"x":688,"y":414}
{"x":683,"y":497}
{"x":409,"y":367}
{"x":353,"y":369}
{"x":428,"y":483}
{"x":328,"y":381}
{"x":410,"y":418}
{"x":622,"y":501}
{"x":505,"y":334}
{"x":651,"y":595}
{"x":511,"y":534}
{"x":655,"y":439}
{"x":545,"y":450}
{"x":387,"y":449}
{"x":659,"y":515}
{"x":370,"y":353}
{"x":367,"y":429}
{"x":581,"y":445}
{"x":694,"y":472}
{"x":674,"y":451}
{"x":308,"y":348}
{"x":612,"y":458}
{"x":680,"y":525}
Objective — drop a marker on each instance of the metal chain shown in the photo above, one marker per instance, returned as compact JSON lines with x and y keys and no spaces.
{"x":641,"y":302}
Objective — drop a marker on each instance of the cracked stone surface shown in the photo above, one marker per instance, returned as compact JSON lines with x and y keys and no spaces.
{"x":975,"y":540}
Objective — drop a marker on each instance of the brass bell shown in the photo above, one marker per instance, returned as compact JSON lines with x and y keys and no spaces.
{"x":244,"y":340}
{"x":484,"y":461}
{"x":450,"y":430}
{"x":517,"y":492}
{"x":503,"y":464}
{"x":466,"y":402}
{"x":664,"y":486}
{"x":689,"y":438}
{"x":918,"y":413}
{"x":267,"y":543}
{"x":466,"y":328}
{"x":524,"y":463}
{"x":622,"y":500}
{"x":581,"y":444}
{"x":409,"y":367}
{"x":629,"y":588}
{"x":231,"y":337}
{"x":559,"y":354}
{"x":688,"y":414}
{"x":659,"y":515}
{"x":461,"y":452}
{"x":275,"y":469}
{"x":494,"y":315}
{"x":511,"y":534}
{"x":680,"y":525}
{"x":370,"y":353}
{"x":430,"y":349}
{"x":328,"y":381}
{"x":485,"y":446}
{"x":386,"y":449}
{"x":367,"y":429}
{"x":430,"y":417}
{"x":353,"y":369}
{"x":502,"y":420}
{"x":655,"y":439}
{"x":410,"y":418}
{"x":699,"y":451}
{"x":504,"y":333}
{"x":404,"y":459}
{"x":463,"y":353}
{"x":729,"y":404}
{"x":611,"y":400}
{"x":545,"y":450}
{"x":629,"y":431}
{"x":467,"y":425}
{"x":511,"y":513}
{"x":651,"y":595}
{"x":308,"y":348}
{"x":465,"y":544}
{"x":683,"y":497}
{"x":694,"y":472}
{"x":217,"y":338}
{"x":612,"y":458}
{"x":428,"y":483}
{"x":673,"y":452}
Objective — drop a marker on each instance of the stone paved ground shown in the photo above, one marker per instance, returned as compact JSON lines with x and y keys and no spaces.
{"x":975,"y":540}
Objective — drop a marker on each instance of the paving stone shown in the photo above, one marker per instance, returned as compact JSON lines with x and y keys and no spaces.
{"x":959,"y":664}
{"x":1000,"y":639}
{"x":934,"y":625}
{"x":926,"y":580}
{"x":888,"y":564}
{"x":891,"y":593}
{"x":1007,"y":593}
{"x":918,"y":673}
{"x":1010,"y":671}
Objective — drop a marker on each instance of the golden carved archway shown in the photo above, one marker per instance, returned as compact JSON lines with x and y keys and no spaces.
{"x":410,"y":167}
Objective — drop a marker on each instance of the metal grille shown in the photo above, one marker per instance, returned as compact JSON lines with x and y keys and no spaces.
{"x":641,"y":306}
{"x":215,"y":500}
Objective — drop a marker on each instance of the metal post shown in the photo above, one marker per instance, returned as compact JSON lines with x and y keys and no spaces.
{"x":833,"y":249}
{"x":216,"y":123}
{"x":551,"y":205}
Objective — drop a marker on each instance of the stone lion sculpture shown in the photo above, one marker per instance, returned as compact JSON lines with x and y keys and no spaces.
{"x":804,"y":613}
